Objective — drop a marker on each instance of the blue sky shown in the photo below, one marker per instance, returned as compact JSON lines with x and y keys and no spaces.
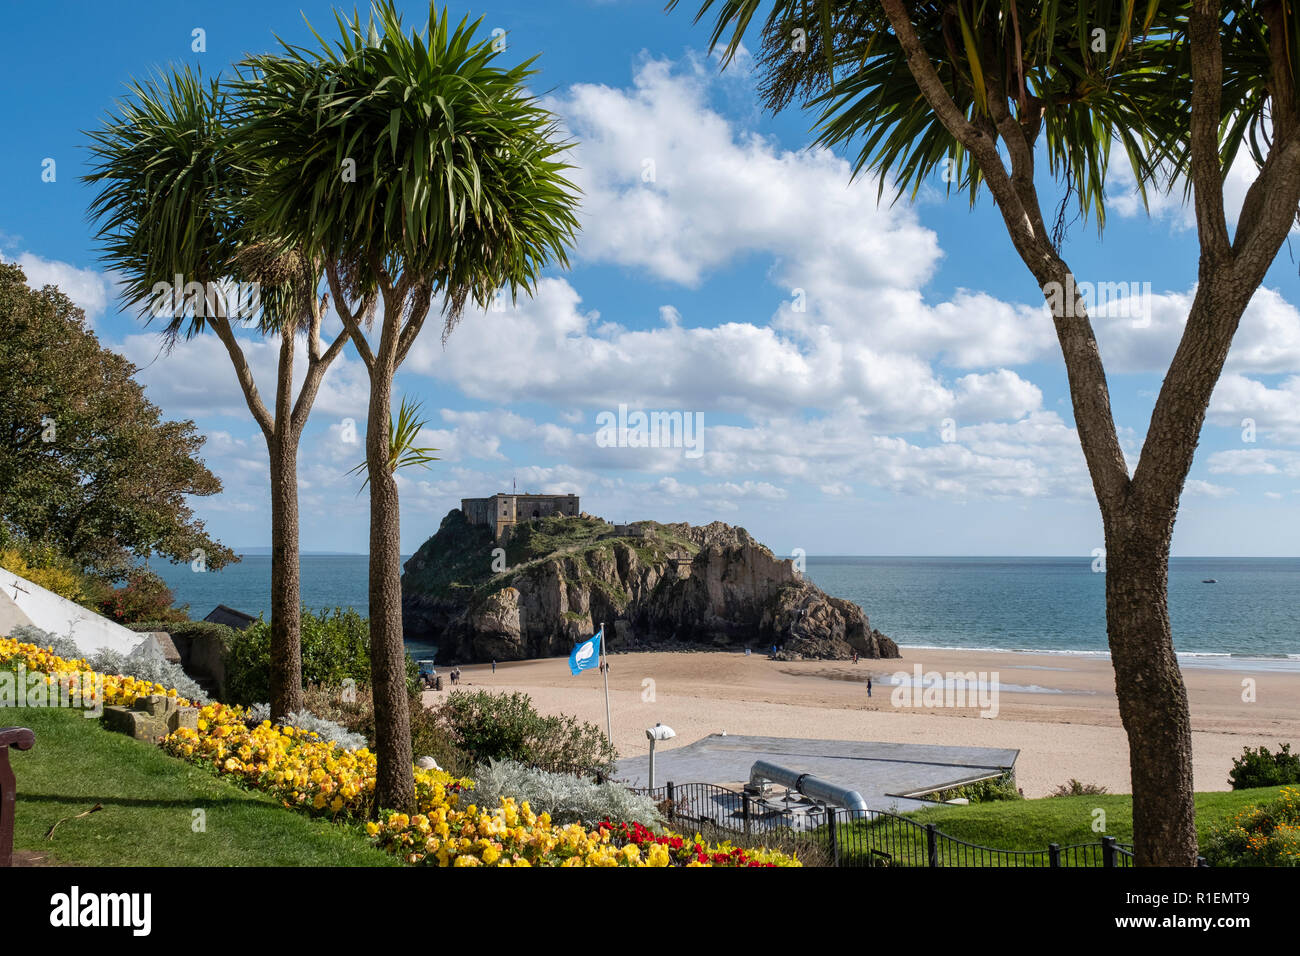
{"x":824,"y":413}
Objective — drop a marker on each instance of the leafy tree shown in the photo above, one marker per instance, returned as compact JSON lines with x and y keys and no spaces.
{"x":174,"y":202}
{"x":88,"y":465}
{"x":984,"y":91}
{"x":425,"y":169}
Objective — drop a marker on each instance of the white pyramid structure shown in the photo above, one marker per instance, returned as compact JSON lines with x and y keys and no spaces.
{"x":22,"y":602}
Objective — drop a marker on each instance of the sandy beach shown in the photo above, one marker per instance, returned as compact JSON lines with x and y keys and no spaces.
{"x":1059,"y":710}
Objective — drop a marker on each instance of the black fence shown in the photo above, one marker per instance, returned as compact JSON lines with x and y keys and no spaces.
{"x":834,"y":836}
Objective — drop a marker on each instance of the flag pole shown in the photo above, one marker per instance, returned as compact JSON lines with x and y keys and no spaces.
{"x":609,"y":726}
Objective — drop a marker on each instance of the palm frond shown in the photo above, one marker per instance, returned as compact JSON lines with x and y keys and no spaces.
{"x":402,"y":435}
{"x":459,"y":180}
{"x":1079,"y":78}
{"x":173,"y":203}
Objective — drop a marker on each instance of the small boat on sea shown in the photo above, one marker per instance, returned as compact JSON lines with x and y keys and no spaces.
{"x":1209,"y":581}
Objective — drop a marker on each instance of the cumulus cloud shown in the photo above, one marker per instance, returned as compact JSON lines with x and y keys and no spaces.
{"x":1255,"y":461}
{"x":1259,"y":411}
{"x":85,"y":287}
{"x":1207,"y":489}
{"x":669,"y":186}
{"x":563,"y":354}
{"x":197,"y":378}
{"x":1172,"y":205}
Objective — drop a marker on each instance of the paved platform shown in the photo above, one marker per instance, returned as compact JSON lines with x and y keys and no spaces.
{"x":881,"y":772}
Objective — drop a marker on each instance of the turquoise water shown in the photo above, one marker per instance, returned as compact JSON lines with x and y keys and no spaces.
{"x":1040,"y":604}
{"x":1059,"y":604}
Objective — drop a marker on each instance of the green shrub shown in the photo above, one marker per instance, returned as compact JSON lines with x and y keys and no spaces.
{"x":487,"y":726}
{"x":335,"y":648}
{"x":1260,"y":768}
{"x":189,"y":629}
{"x":248,"y":666}
{"x":1076,"y":788}
{"x":981,"y":791}
{"x":1261,"y":835}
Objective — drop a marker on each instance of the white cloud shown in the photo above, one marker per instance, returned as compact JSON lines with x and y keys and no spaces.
{"x":1173,"y":205}
{"x":1206,"y":489}
{"x":1259,"y":411}
{"x":1267,"y":340}
{"x":1255,"y":461}
{"x":85,"y":287}
{"x":564,"y":355}
{"x":197,"y":377}
{"x":671,"y":187}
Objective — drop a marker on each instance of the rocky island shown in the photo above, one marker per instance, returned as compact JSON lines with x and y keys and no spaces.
{"x":481,"y":591}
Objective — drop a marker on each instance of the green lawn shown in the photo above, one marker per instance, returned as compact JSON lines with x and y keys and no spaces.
{"x":1033,"y":824}
{"x":149,"y":801}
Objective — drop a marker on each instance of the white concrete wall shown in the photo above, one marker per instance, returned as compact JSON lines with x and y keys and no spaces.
{"x":60,"y":617}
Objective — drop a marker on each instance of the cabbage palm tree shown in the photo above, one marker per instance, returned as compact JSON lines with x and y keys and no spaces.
{"x":982,"y":91}
{"x":173,"y":204}
{"x":416,"y":166}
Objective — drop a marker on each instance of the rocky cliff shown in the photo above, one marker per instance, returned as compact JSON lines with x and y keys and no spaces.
{"x":550,"y":582}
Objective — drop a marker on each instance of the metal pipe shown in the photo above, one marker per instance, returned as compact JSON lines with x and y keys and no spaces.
{"x":814,"y":788}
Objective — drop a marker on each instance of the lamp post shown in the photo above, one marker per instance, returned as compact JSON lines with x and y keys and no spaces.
{"x":655,"y":733}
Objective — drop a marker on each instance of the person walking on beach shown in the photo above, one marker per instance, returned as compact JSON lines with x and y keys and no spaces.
{"x":868,"y":685}
{"x":494,"y":665}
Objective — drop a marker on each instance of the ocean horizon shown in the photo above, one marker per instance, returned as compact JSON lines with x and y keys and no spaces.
{"x":1030,"y":604}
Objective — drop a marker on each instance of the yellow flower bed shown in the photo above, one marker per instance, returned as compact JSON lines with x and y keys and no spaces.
{"x":298,"y":767}
{"x":512,"y":835}
{"x":320,"y":777}
{"x":60,"y":673}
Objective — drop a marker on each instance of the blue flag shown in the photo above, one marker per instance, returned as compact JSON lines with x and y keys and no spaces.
{"x":586,"y":654}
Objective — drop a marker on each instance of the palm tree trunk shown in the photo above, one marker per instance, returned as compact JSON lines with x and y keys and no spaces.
{"x":395,"y":783}
{"x":286,"y":599}
{"x":1152,"y":695}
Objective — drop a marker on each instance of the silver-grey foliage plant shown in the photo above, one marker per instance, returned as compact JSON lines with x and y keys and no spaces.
{"x":327,"y":730}
{"x":151,"y":668}
{"x":64,"y":647}
{"x":566,"y":798}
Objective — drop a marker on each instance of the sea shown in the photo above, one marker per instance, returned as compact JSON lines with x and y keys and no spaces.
{"x":1051,"y":604}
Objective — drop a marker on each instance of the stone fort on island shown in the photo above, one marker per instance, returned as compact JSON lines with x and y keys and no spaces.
{"x":503,"y":511}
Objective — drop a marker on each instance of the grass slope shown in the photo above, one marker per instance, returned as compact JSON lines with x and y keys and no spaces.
{"x":149,"y":799}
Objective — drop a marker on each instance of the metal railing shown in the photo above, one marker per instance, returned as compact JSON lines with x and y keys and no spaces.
{"x":834,"y":836}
